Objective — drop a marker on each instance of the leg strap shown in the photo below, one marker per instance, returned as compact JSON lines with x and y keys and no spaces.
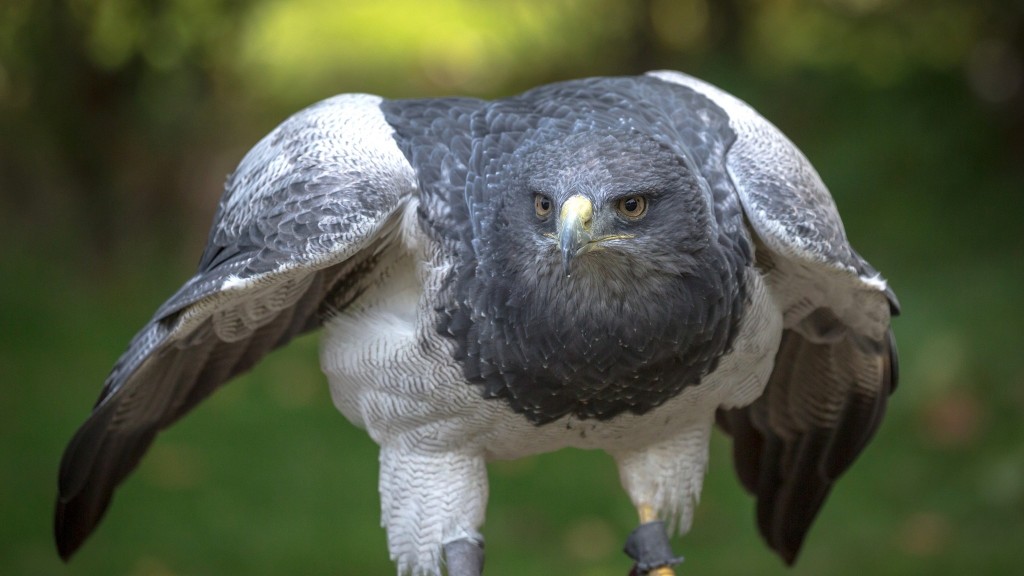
{"x":464,"y":557}
{"x":648,"y":545}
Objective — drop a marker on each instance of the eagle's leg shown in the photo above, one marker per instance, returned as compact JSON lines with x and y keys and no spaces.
{"x":464,"y":557}
{"x":432,"y":506}
{"x":663,"y":479}
{"x":649,"y":547}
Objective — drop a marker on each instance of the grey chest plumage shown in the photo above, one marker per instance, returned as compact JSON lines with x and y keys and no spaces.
{"x":627,"y":326}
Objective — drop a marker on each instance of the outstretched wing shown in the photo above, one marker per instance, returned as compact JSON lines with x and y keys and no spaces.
{"x":837,"y":361}
{"x":306,"y":216}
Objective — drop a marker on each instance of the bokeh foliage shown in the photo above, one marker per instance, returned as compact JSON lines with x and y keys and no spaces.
{"x":120,"y":118}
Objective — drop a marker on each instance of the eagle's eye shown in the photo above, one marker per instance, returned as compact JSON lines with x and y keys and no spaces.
{"x":542,"y":204}
{"x":632,"y":207}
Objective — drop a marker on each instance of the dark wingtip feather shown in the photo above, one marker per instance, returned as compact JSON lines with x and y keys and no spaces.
{"x":73,"y":521}
{"x":67,"y":539}
{"x":93,"y":465}
{"x":802,"y":497}
{"x":154,"y":384}
{"x":792,"y":474}
{"x":788,"y":555}
{"x":747,"y":445}
{"x":76,"y":514}
{"x":105,"y":449}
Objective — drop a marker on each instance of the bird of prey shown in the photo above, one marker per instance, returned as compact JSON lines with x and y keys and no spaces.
{"x":608,"y":263}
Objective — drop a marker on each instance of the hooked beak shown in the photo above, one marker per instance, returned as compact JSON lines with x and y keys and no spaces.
{"x":574,"y":229}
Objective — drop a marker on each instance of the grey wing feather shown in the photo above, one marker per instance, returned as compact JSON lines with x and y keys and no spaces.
{"x":305,"y":215}
{"x":837,"y":361}
{"x":786,"y":202}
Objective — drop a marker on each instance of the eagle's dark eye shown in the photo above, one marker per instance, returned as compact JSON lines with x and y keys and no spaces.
{"x":542,"y":204}
{"x":632,"y":206}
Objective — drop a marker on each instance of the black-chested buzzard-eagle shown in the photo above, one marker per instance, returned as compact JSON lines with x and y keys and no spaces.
{"x":611,"y":263}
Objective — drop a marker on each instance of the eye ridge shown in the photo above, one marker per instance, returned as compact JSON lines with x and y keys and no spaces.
{"x":632,"y":207}
{"x":542,"y":205}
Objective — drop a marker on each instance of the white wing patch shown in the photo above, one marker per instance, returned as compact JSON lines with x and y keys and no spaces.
{"x":234,"y":323}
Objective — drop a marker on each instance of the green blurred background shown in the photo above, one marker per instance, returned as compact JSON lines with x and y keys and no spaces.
{"x":119,"y":121}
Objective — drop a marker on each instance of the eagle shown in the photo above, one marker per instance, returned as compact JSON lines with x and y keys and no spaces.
{"x":612,"y":263}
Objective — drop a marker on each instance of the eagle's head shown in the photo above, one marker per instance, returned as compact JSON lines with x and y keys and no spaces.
{"x":599,"y":285}
{"x":607,"y":204}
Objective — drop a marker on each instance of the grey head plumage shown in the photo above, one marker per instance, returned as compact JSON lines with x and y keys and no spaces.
{"x":637,"y":310}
